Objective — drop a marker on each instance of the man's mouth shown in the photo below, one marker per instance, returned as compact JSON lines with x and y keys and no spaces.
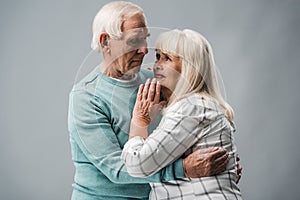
{"x":137,"y":61}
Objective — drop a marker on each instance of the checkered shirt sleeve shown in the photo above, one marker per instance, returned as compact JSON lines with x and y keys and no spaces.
{"x":181,"y":127}
{"x":190,"y":124}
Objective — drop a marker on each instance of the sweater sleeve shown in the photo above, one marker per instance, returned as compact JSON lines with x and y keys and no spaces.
{"x":91,"y":130}
{"x":181,"y":127}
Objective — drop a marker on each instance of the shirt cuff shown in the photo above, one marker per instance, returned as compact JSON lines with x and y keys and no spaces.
{"x":178,"y":168}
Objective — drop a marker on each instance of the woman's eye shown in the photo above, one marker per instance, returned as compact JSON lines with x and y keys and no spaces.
{"x":157,"y":56}
{"x":167,"y":58}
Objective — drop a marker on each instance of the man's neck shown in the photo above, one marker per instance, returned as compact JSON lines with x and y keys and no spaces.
{"x":113,"y":72}
{"x":128,"y":77}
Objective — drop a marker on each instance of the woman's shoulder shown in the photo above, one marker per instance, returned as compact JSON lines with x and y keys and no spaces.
{"x":196,"y":101}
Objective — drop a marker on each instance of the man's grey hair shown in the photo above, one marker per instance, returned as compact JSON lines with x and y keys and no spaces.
{"x":110,"y":19}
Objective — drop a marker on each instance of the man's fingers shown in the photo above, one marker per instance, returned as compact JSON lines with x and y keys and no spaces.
{"x":207,"y":150}
{"x":239,"y":172}
{"x":220,"y":169}
{"x":218,"y":153}
{"x":239,"y":168}
{"x":222,"y":159}
{"x":222,"y":162}
{"x":238,"y":157}
{"x":219,"y":164}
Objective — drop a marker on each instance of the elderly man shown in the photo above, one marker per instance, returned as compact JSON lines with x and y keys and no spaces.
{"x":100,"y":111}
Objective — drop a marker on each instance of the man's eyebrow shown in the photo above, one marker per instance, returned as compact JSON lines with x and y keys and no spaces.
{"x":141,"y":32}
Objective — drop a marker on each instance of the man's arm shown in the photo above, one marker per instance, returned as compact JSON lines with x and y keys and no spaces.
{"x":90,"y":128}
{"x":205,"y":162}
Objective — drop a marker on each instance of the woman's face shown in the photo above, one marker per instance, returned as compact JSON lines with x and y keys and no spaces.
{"x":167,"y":69}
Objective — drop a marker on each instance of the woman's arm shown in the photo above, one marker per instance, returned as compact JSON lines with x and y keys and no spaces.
{"x":178,"y":131}
{"x":146,"y":108}
{"x":138,"y":152}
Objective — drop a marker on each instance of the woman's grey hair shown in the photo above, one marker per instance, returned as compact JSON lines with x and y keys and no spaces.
{"x":198,"y":73}
{"x":110,"y":19}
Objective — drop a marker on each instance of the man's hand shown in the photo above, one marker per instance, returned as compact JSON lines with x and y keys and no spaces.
{"x":205,"y":162}
{"x":239,"y":168}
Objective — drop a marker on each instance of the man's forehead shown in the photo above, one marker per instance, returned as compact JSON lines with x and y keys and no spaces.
{"x":139,"y":32}
{"x":133,"y":22}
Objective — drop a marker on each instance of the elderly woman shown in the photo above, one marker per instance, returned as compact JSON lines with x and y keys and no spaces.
{"x":100,"y":110}
{"x":196,"y":117}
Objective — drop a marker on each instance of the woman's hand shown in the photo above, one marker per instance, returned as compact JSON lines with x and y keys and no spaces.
{"x":147,"y":103}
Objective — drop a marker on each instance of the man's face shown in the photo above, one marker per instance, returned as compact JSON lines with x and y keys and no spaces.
{"x":128,"y":52}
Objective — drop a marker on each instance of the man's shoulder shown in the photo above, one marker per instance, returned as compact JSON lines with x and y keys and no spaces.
{"x":88,"y":79}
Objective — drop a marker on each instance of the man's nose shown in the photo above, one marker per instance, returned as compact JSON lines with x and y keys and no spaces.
{"x":143,"y":50}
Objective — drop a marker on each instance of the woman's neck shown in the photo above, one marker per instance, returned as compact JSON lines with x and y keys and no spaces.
{"x":166,"y":92}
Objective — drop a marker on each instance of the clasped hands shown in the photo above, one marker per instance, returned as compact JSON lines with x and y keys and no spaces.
{"x":147,"y":104}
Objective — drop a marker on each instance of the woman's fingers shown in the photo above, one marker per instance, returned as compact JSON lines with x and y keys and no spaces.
{"x":157,"y":93}
{"x":147,"y":102}
{"x":146,"y":88}
{"x":152,"y":89}
{"x":140,"y":93}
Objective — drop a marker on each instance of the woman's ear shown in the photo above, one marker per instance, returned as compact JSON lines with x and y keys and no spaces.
{"x":104,"y":41}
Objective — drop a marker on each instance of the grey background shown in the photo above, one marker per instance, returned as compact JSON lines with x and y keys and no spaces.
{"x":43,"y":43}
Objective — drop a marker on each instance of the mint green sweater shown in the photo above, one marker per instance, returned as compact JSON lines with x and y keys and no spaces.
{"x":100,"y":110}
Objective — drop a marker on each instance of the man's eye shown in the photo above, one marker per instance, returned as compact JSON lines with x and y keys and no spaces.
{"x":135,"y":42}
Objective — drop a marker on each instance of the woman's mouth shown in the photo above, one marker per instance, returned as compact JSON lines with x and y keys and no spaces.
{"x":159,"y":76}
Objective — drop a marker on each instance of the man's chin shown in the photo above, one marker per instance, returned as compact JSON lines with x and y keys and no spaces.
{"x":134,"y":70}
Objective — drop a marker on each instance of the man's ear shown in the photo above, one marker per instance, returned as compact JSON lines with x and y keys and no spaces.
{"x":104,"y":40}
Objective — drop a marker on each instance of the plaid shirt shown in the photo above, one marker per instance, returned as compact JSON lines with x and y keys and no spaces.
{"x":192,"y":123}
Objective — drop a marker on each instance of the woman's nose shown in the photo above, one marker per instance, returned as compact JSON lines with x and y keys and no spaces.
{"x":157,"y":66}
